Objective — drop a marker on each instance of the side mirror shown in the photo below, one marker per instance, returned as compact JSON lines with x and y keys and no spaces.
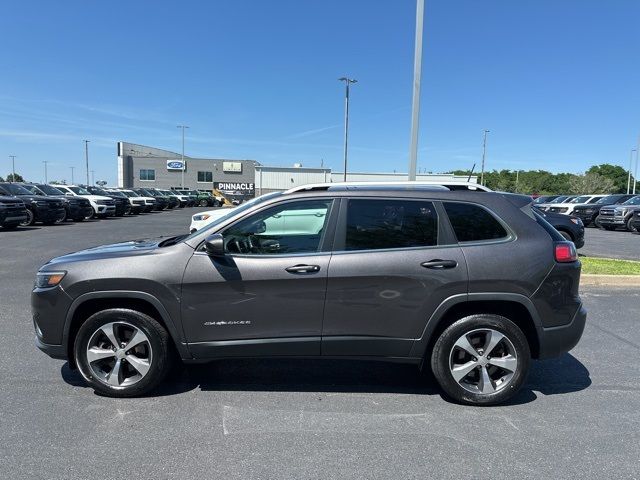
{"x":214,"y":245}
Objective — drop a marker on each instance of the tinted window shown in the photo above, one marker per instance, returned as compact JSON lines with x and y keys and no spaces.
{"x":472,"y":223}
{"x":147,"y":174}
{"x":375,"y":224}
{"x":205,"y":177}
{"x":295,"y":227}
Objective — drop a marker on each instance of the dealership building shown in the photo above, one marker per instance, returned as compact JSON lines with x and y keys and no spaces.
{"x":141,"y":166}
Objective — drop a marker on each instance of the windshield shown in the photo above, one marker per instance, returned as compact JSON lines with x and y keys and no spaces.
{"x":16,"y":189}
{"x":608,"y":200}
{"x":144,"y":193}
{"x":581,"y":199}
{"x":233,"y":211}
{"x":632,"y":201}
{"x":99,"y":191}
{"x":35,"y":190}
{"x":49,"y":190}
{"x":594,"y":200}
{"x":116,"y":193}
{"x":79,"y":191}
{"x":559,"y":199}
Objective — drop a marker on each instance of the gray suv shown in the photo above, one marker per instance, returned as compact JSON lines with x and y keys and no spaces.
{"x":468,"y":284}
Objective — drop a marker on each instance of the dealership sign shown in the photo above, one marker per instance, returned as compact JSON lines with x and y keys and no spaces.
{"x":244,"y":189}
{"x":176,"y":165}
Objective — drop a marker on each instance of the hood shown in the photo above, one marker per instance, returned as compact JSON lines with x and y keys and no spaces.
{"x":115,"y":250}
{"x":95,"y":197}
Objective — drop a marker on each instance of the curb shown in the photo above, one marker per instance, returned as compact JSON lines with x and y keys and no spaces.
{"x":610,"y":280}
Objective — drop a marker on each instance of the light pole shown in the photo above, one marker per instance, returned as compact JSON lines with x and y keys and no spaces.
{"x":635,"y":174}
{"x":347,"y":81}
{"x":72,"y":182}
{"x":484,"y":154}
{"x":46,"y":179}
{"x":182,"y":127}
{"x":86,"y":157}
{"x":630,"y":164}
{"x":13,"y":168}
{"x":415,"y":108}
{"x":517,"y":178}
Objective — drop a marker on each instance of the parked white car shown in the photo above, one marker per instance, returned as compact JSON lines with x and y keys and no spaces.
{"x":202,"y":219}
{"x":183,"y":199}
{"x":566,"y":207}
{"x":148,"y":203}
{"x":102,"y":206}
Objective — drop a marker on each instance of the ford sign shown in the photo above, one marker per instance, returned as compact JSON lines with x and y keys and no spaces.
{"x":176,"y":165}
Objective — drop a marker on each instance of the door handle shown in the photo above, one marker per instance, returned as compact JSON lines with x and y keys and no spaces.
{"x":303,"y":269}
{"x":438,"y":264}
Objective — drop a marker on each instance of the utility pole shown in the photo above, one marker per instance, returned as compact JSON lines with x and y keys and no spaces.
{"x":484,"y":154}
{"x":348,"y":82}
{"x":46,"y":179}
{"x":415,"y":108}
{"x":630,"y":166}
{"x":182,"y":158}
{"x":517,"y":178}
{"x":86,"y":157}
{"x":72,"y":182}
{"x":13,"y":168}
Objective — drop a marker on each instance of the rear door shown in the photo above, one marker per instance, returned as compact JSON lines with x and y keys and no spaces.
{"x":393,"y":263}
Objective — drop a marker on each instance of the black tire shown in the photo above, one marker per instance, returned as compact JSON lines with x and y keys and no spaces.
{"x":566,"y":235}
{"x":158,"y":340}
{"x":11,"y":226}
{"x":31,"y":218}
{"x":203,"y":203}
{"x":443,"y":351}
{"x":609,"y":228}
{"x":630,"y":226}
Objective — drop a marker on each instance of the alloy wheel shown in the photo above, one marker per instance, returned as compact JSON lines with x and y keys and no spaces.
{"x":483,"y":361}
{"x":30,"y":219}
{"x":119,"y":354}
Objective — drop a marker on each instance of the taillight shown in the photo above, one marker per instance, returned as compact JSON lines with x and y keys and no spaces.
{"x":565,"y":252}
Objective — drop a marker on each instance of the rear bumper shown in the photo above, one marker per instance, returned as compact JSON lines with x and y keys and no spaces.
{"x":54,"y":351}
{"x":555,"y":341}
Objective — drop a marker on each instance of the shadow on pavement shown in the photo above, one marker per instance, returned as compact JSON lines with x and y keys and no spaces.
{"x":562,"y":375}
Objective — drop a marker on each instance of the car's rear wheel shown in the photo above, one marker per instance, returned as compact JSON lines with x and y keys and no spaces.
{"x":481,"y":360}
{"x":122,"y":352}
{"x":203,"y":202}
{"x":630,"y":226}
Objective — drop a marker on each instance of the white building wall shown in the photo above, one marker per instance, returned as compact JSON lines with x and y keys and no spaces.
{"x":399,"y":177}
{"x":269,"y":179}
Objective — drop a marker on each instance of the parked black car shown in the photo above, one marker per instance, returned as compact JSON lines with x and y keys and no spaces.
{"x":12,"y":212}
{"x":76,"y":208}
{"x":636,"y":221}
{"x":39,"y":209}
{"x":172,"y":202}
{"x":589,"y":213}
{"x":470,"y":284}
{"x":162,"y":202}
{"x":569,"y":226}
{"x":122,"y":202}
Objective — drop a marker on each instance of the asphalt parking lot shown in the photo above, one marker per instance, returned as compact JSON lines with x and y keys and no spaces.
{"x":578,"y":416}
{"x":606,"y":244}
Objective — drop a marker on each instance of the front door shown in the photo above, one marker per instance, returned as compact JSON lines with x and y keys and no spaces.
{"x":266,"y":295}
{"x":389,"y":271}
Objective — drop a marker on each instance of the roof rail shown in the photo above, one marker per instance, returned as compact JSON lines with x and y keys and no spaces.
{"x":450,"y":185}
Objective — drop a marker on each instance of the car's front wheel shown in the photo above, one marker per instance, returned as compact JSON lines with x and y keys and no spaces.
{"x":481,"y":360}
{"x":122,"y":352}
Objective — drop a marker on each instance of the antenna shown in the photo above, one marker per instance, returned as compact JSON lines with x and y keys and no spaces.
{"x":471,"y":172}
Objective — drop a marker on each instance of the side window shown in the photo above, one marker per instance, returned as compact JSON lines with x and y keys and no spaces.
{"x":147,"y":174}
{"x":376,"y":224}
{"x":295,"y":227}
{"x":472,"y":223}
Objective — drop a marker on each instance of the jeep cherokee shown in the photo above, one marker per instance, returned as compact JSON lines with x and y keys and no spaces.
{"x":469,"y":284}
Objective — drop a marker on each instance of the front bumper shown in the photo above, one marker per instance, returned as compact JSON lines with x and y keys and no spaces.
{"x":555,"y":341}
{"x":612,"y":220}
{"x":46,"y":214}
{"x":54,"y":351}
{"x":586,"y":218}
{"x":12,"y":217}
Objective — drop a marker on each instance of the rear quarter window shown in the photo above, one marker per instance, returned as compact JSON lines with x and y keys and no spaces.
{"x":472,"y":223}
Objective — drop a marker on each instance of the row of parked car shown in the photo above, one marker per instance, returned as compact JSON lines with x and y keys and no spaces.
{"x":609,"y":212}
{"x":27,"y":203}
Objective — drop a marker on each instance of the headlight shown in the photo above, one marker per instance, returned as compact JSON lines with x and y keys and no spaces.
{"x":199,"y":218}
{"x":589,"y":210}
{"x":49,"y":279}
{"x":577,"y":221}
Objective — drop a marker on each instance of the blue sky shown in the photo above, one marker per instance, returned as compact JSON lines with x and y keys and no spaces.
{"x":556,"y":82}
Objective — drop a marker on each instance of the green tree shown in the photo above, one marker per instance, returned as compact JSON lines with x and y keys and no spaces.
{"x":614,"y":172}
{"x":17,"y":179}
{"x":590,"y":183}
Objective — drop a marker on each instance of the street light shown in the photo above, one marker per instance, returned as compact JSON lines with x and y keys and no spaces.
{"x":86,"y":157}
{"x":484,"y":154}
{"x":13,"y":167}
{"x":415,"y":107}
{"x":182,"y":127}
{"x":347,"y":82}
{"x":630,"y":163}
{"x":46,"y":179}
{"x":72,"y":182}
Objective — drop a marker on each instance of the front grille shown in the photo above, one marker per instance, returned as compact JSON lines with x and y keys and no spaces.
{"x":605,"y":213}
{"x":558,"y":209}
{"x":138,"y":202}
{"x":106,"y":202}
